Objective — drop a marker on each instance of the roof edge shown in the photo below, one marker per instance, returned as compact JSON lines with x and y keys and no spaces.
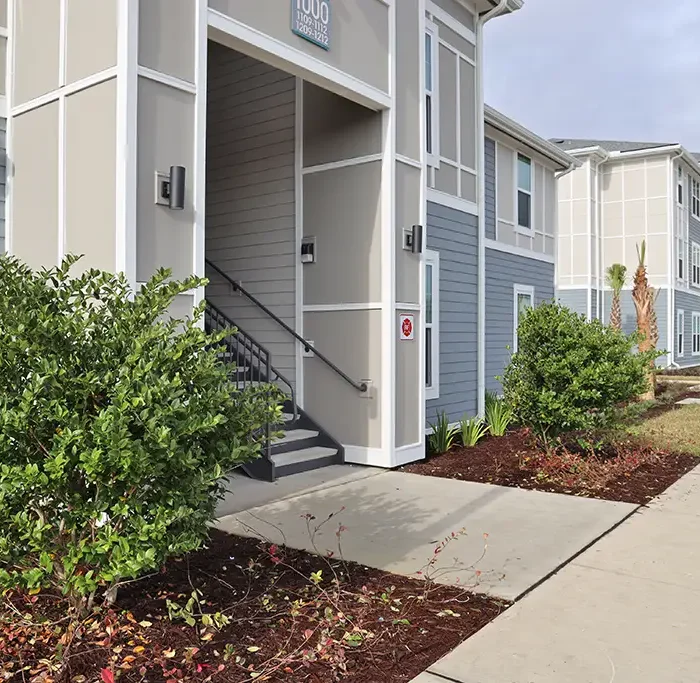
{"x":548,"y":149}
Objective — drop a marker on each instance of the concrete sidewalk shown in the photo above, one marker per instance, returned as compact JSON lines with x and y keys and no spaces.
{"x":394,"y":521}
{"x":625,"y":611}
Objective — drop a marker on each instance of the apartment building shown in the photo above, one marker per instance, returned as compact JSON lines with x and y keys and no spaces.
{"x":367,"y":224}
{"x":622,"y":194}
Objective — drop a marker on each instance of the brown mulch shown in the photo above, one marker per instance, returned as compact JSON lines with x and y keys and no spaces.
{"x":383,"y":627}
{"x":508,"y":461}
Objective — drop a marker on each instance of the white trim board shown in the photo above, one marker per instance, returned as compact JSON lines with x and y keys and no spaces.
{"x":167,"y":79}
{"x":444,"y":18}
{"x":279,"y":54}
{"x":328,"y":308}
{"x":70,"y":89}
{"x":332,"y":165}
{"x":526,"y":253}
{"x":444,"y":199}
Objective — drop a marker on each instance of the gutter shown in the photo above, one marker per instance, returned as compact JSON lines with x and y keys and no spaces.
{"x":500,"y":8}
{"x":513,"y":129}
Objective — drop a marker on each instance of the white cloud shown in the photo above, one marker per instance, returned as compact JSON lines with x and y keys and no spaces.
{"x":616,"y":69}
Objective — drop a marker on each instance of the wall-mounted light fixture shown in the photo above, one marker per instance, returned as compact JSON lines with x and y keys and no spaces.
{"x":308,"y":250}
{"x":170,"y":189}
{"x":177,"y":188}
{"x":413,"y":239}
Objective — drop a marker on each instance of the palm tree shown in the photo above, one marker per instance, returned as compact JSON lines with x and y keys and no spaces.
{"x":616,"y":277}
{"x":644,"y":300}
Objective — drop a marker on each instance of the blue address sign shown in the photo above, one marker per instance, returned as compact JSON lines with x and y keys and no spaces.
{"x":311,"y":19}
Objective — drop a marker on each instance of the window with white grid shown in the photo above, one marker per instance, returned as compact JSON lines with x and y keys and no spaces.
{"x":696,"y":334}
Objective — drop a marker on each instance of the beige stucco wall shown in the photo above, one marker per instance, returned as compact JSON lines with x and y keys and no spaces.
{"x":90,"y":167}
{"x":166,"y":138}
{"x":336,"y":128}
{"x":408,"y":213}
{"x":544,"y":196}
{"x":409,"y":89}
{"x":575,"y":227}
{"x":457,"y":109}
{"x":352,"y":340}
{"x":408,"y":379}
{"x":35,"y":186}
{"x":91,"y":37}
{"x":634,"y":196}
{"x":36,"y":70}
{"x":359,"y":34}
{"x":342,"y":210}
{"x":174,"y":18}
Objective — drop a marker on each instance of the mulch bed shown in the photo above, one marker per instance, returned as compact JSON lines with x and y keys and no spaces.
{"x":375,"y":627}
{"x":509,"y":461}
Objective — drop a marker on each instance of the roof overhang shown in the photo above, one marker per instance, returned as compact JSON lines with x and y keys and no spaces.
{"x":596,"y":152}
{"x":563,"y":160}
{"x":484,"y":7}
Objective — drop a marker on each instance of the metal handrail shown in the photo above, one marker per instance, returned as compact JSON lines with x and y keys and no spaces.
{"x":255,"y":349}
{"x":360,"y":386}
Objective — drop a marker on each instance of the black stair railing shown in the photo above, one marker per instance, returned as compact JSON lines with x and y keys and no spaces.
{"x":252,"y":365}
{"x":360,"y":386}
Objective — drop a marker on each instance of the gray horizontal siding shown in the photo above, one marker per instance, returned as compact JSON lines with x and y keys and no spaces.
{"x":594,"y":304}
{"x":574,"y":299}
{"x":503,"y":271}
{"x":490,"y":177}
{"x":629,"y":317}
{"x":250,"y":205}
{"x":689,"y":303}
{"x":454,"y":235}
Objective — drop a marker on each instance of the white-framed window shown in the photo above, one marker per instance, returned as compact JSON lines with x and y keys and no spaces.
{"x":680,"y":333}
{"x":696,"y":334}
{"x":432,"y":98}
{"x":695,"y":197}
{"x":432,"y":324}
{"x":695,"y":265}
{"x":523,"y":198}
{"x":681,"y":230}
{"x":523,"y":299}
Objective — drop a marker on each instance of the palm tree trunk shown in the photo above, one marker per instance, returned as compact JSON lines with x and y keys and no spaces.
{"x":616,"y":312}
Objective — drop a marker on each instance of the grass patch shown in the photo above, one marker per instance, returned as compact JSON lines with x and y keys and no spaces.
{"x":677,"y":430}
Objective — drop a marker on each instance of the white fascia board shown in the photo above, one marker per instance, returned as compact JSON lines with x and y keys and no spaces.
{"x":681,"y":152}
{"x":597,"y":153}
{"x":513,"y":129}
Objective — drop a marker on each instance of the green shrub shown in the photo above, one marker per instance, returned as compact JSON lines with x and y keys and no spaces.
{"x":570,"y":374}
{"x":473,"y":430}
{"x":442,"y":437}
{"x":116,"y":426}
{"x":498,"y":414}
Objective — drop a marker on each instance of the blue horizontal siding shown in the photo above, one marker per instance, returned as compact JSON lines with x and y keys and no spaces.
{"x":490,"y":183}
{"x":503,"y":271}
{"x":689,"y":303}
{"x":453,"y":234}
{"x":574,"y":299}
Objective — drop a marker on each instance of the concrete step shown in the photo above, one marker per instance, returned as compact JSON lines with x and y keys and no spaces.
{"x":295,"y":439}
{"x":303,"y":460}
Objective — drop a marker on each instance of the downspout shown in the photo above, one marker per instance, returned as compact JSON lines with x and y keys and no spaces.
{"x":671,"y":336}
{"x":481,"y":164}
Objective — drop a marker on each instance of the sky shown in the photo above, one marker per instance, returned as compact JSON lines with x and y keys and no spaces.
{"x":606,"y":69}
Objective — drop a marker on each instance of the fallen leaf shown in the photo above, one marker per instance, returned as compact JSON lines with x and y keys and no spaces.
{"x":253,"y":648}
{"x":107,"y":676}
{"x":139,"y":649}
{"x":207,"y":637}
{"x":145,"y":624}
{"x":168,"y":654}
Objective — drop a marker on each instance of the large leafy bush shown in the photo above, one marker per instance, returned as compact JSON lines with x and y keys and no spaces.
{"x":569,"y":374}
{"x":116,"y":425}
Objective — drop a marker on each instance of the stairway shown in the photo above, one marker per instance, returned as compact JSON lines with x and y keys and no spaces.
{"x":303,"y":445}
{"x":300,"y":444}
